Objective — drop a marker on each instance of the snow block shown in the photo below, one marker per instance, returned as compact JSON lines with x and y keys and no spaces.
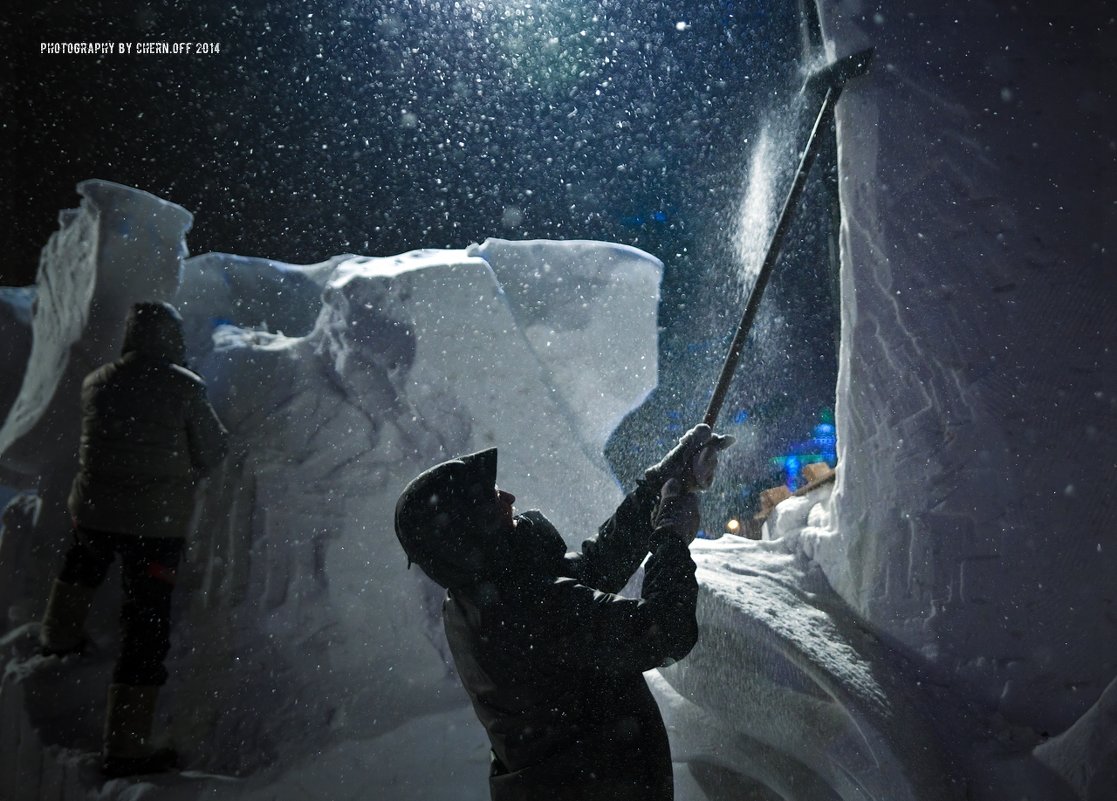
{"x":561,"y":297}
{"x":299,"y":581}
{"x":120,"y":246}
{"x":972,"y":523}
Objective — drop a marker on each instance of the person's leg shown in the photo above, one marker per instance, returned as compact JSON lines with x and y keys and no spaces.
{"x":71,"y":594}
{"x":149,"y":566}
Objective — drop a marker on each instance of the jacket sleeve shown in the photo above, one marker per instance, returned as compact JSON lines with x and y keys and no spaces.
{"x":618,"y":634}
{"x":608,"y":560}
{"x":209,"y":441}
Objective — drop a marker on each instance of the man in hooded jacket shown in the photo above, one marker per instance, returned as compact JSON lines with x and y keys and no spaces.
{"x":148,"y":435}
{"x":551,"y":658}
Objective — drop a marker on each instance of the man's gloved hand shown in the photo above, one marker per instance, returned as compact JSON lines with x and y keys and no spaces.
{"x":676,"y":515}
{"x":693,"y":461}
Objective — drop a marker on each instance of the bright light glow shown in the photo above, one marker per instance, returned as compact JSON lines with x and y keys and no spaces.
{"x":732,"y":526}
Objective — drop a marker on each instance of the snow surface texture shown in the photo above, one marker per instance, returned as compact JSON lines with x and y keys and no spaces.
{"x":15,"y":320}
{"x":120,"y":243}
{"x":973,"y":517}
{"x":814,"y":706}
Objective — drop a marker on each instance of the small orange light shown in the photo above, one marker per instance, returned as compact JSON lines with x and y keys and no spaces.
{"x":732,"y":526}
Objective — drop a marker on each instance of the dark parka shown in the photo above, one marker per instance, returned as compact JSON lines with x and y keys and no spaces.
{"x":552,"y":659}
{"x":148,"y":433}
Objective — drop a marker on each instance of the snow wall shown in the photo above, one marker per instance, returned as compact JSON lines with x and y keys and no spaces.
{"x":974,"y":518}
{"x":300,"y":631}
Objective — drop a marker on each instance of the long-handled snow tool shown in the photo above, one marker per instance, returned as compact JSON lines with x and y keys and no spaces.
{"x":833,"y":78}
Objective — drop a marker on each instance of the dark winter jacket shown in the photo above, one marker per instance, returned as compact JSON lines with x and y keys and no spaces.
{"x":148,"y":434}
{"x":552,"y":660}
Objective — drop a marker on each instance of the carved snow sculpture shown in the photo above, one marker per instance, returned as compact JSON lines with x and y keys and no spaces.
{"x":119,"y":246}
{"x":412,"y":359}
{"x":300,"y":589}
{"x":224,"y":289}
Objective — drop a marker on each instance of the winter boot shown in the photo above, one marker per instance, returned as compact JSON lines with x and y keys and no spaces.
{"x":128,"y":719}
{"x":62,"y":629}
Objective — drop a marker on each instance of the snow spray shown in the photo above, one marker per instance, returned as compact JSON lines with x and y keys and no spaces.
{"x":771,"y":169}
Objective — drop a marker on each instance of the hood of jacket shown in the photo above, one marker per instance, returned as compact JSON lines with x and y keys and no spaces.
{"x":154,"y":329}
{"x":442,"y":515}
{"x":444,"y":521}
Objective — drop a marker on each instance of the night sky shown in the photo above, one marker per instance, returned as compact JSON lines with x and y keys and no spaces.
{"x":381,"y":126}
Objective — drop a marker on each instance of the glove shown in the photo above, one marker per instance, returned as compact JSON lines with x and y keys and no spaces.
{"x":676,"y":515}
{"x":693,"y":461}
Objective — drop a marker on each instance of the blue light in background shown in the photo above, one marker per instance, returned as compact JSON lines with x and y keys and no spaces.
{"x":640,"y":220}
{"x":821,"y":446}
{"x":826,"y":439}
{"x":791,"y":467}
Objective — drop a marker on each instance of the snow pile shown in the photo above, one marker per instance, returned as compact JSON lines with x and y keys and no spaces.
{"x":1084,"y":752}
